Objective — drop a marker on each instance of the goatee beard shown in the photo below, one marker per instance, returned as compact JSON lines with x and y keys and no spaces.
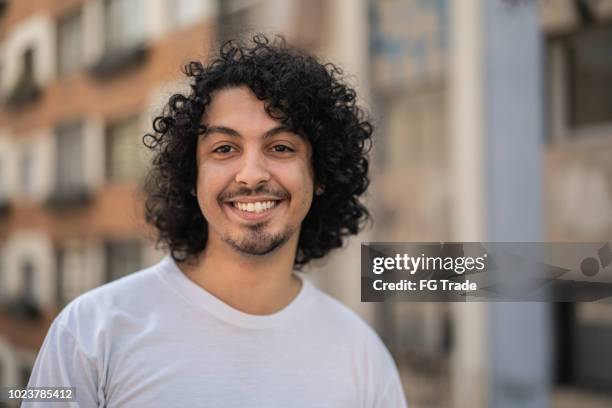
{"x":257,"y":242}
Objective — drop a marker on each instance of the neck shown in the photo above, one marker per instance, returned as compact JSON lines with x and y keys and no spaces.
{"x":253,"y":284}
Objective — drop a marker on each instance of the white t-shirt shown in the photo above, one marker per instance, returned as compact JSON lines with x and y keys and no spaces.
{"x":156,"y":339}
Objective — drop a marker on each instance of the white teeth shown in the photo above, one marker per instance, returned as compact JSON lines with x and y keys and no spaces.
{"x":257,"y":207}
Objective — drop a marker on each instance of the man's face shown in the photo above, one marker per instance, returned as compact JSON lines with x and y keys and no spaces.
{"x":255,"y":177}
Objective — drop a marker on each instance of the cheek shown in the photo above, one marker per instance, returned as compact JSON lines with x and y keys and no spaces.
{"x":299,"y":180}
{"x":212,"y":180}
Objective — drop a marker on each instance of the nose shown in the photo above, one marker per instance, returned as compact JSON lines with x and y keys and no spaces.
{"x":253,"y":171}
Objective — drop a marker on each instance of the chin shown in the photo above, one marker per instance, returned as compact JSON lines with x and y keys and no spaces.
{"x":258,"y":242}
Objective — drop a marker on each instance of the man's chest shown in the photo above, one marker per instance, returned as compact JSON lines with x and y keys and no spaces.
{"x":231,"y":373}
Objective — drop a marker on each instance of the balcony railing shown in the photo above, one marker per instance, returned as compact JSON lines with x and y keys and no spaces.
{"x":118,"y":60}
{"x":69,"y":198}
{"x":24,"y":307}
{"x":26,"y":91}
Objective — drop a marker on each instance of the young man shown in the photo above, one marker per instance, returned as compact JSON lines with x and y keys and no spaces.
{"x":257,"y":171}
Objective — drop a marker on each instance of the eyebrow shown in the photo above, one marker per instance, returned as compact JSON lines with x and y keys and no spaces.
{"x":234,"y":133}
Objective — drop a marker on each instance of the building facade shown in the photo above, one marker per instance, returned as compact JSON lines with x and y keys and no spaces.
{"x":80,"y":82}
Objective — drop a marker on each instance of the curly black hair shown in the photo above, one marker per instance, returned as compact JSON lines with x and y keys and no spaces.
{"x":311,"y":98}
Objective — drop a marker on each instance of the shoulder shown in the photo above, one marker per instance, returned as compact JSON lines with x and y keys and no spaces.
{"x":348,"y":327}
{"x":92,"y":309}
{"x":373,"y":365}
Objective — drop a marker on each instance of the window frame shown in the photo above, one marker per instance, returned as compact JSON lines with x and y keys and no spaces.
{"x":136,"y":247}
{"x":110,"y":43}
{"x":559,"y":129}
{"x":111,"y":135}
{"x":64,"y":130}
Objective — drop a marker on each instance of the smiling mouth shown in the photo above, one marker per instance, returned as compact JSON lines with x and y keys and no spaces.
{"x":257,"y":207}
{"x":254,"y":210}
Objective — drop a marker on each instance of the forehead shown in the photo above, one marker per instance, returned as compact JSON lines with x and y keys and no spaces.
{"x":238,"y":106}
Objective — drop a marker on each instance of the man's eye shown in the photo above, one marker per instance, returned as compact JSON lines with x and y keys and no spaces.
{"x":223,"y":149}
{"x":282,"y":149}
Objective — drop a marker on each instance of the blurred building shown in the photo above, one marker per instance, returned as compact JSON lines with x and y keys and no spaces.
{"x":81,"y":80}
{"x":418,"y":88}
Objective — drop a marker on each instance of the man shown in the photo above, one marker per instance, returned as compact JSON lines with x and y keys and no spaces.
{"x":256,"y":172}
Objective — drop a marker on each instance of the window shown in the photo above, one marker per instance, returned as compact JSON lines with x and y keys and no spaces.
{"x":589,"y":60}
{"x":3,"y":294}
{"x":26,"y":88}
{"x":122,"y":258}
{"x":188,"y":11}
{"x":27,"y":282}
{"x":124,"y":38}
{"x":70,"y":189}
{"x":27,"y":171}
{"x":27,"y":73}
{"x":124,"y":23}
{"x":70,"y":166}
{"x":1,"y":76}
{"x":234,"y":18}
{"x":72,"y":274}
{"x":3,"y":189}
{"x":583,"y":355}
{"x":25,"y":304}
{"x":69,"y":43}
{"x":59,"y":278}
{"x":125,"y":159}
{"x":408,"y":44}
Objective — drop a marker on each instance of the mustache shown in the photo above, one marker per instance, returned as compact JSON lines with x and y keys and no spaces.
{"x":245,"y":192}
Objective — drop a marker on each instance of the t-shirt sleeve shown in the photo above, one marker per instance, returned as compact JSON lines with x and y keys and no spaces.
{"x":62,"y":363}
{"x":393,"y":394}
{"x":388,"y":390}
